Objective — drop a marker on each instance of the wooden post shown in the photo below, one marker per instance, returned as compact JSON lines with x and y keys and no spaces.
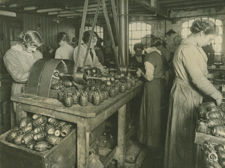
{"x":81,"y":35}
{"x":121,"y":136}
{"x":81,"y":147}
{"x":91,"y":35}
{"x":19,"y":113}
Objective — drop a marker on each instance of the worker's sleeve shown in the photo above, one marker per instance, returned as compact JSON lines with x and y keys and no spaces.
{"x":149,"y":68}
{"x":15,"y":68}
{"x":81,"y":56}
{"x":191,"y":64}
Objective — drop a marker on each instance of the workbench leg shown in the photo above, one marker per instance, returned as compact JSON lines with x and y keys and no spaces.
{"x":19,"y":113}
{"x":121,"y":136}
{"x":82,"y":147}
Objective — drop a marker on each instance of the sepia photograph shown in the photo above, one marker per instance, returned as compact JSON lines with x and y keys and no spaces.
{"x":112,"y":84}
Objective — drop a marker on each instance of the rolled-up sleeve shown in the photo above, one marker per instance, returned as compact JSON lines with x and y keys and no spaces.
{"x":191,"y":64}
{"x":14,"y":67}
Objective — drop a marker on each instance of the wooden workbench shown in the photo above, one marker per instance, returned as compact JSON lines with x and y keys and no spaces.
{"x":87,"y":118}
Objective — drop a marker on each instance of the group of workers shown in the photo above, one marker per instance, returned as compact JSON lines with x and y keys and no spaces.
{"x":165,"y":128}
{"x":169,"y":133}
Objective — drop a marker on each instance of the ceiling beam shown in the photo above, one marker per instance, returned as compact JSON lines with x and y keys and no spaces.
{"x":192,"y":3}
{"x":182,"y":1}
{"x":153,"y":6}
{"x":194,"y":7}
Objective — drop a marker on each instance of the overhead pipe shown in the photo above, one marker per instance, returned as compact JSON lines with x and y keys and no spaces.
{"x":123,"y":27}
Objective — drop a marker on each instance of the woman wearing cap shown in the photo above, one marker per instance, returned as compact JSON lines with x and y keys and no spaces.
{"x":190,"y":84}
{"x":21,"y":57}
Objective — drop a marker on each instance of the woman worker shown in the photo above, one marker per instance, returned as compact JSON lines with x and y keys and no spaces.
{"x":92,"y":59}
{"x":21,"y":57}
{"x":190,"y":84}
{"x":19,"y":60}
{"x":150,"y":124}
{"x":65,"y":51}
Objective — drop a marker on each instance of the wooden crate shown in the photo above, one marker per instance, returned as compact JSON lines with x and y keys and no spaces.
{"x":62,"y":155}
{"x":200,"y":138}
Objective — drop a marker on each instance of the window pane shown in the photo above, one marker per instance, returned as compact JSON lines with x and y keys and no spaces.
{"x":213,"y":20}
{"x":185,"y":24}
{"x":136,"y":34}
{"x":133,"y":26}
{"x":218,"y":39}
{"x":185,"y":32}
{"x":218,"y":22}
{"x":217,"y":48}
{"x":190,"y":22}
{"x":139,"y":26}
{"x":149,"y":27}
{"x":220,"y":30}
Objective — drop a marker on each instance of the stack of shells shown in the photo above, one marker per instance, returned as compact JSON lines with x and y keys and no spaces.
{"x":39,"y":132}
{"x":211,"y":119}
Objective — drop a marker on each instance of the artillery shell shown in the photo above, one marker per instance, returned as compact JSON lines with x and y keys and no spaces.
{"x":53,"y":121}
{"x":35,"y":116}
{"x":42,"y":146}
{"x":11,"y":135}
{"x":39,"y":136}
{"x":30,"y":145}
{"x":52,"y":139}
{"x":26,"y":129}
{"x":18,"y":139}
{"x":24,"y":121}
{"x":39,"y":129}
{"x":57,"y":131}
{"x":40,"y":120}
{"x":49,"y":129}
{"x":62,"y":123}
{"x":27,"y":138}
{"x":65,"y":130}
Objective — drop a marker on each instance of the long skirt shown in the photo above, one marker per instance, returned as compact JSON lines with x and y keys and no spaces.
{"x":180,"y":150}
{"x":151,"y":112}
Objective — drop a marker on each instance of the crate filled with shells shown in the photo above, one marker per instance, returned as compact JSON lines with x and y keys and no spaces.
{"x":211,"y":123}
{"x":213,"y":154}
{"x":39,"y":141}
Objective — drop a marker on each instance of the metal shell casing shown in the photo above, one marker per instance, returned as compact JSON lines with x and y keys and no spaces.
{"x":52,"y":139}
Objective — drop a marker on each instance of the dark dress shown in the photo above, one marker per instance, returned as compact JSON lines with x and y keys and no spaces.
{"x":150,"y":123}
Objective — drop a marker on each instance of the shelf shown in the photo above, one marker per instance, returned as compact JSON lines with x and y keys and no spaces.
{"x":200,"y":138}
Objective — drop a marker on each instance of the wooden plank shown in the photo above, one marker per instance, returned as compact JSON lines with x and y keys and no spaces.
{"x":200,"y":138}
{"x":81,"y":35}
{"x":121,"y":136}
{"x":81,"y":144}
{"x":88,"y":111}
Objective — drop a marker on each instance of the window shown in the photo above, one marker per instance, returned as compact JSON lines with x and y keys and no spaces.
{"x":217,"y":43}
{"x":137,"y":30}
{"x":97,"y":29}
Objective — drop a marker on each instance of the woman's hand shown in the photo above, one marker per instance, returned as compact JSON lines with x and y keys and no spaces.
{"x":139,"y":72}
{"x":219,"y":100}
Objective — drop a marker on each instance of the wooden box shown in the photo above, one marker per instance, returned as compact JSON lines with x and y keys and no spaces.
{"x":200,"y":138}
{"x":62,"y":155}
